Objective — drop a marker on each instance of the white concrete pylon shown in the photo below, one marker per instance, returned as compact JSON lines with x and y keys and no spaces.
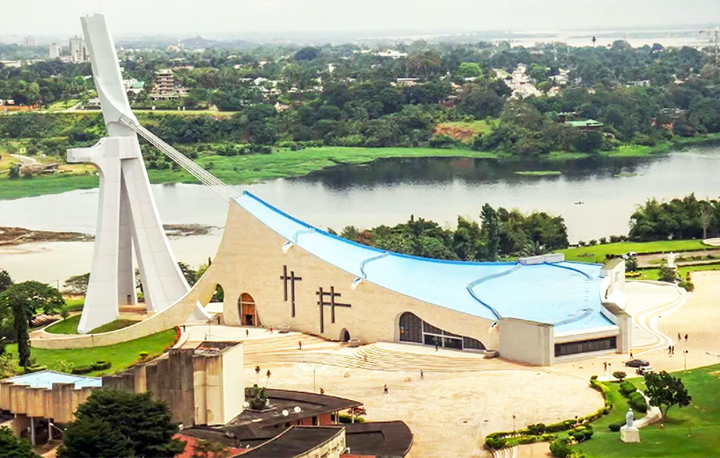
{"x":127,"y":213}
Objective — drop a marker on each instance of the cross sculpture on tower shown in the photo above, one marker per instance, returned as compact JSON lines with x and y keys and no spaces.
{"x":322,"y":302}
{"x":291,"y":279}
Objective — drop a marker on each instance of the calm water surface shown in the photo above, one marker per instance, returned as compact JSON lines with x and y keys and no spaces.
{"x":387,"y":192}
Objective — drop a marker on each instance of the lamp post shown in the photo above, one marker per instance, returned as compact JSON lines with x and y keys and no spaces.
{"x":314,"y":368}
{"x":685,"y":358}
{"x":514,"y":424}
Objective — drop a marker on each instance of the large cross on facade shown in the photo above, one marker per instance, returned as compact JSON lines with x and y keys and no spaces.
{"x":322,"y":302}
{"x":290,"y":279}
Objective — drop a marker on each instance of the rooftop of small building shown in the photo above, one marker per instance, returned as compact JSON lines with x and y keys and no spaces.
{"x":297,"y":404}
{"x":294,"y":441}
{"x":585,"y":123}
{"x":45,"y":379}
{"x":564,"y":294}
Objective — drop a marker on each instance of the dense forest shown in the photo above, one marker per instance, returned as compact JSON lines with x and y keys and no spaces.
{"x":347,"y":96}
{"x":686,"y":218}
{"x":502,"y":233}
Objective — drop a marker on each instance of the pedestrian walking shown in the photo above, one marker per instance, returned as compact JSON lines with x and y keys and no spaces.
{"x":322,"y":391}
{"x":247,"y":333}
{"x":422,"y":375}
{"x":605,"y":365}
{"x":183,"y":328}
{"x":385,"y":389}
{"x":686,"y":336}
{"x":218,"y":320}
{"x":436,"y":347}
{"x":673,"y":350}
{"x":271,"y":330}
{"x":631,"y":354}
{"x":299,"y":344}
{"x":669,"y":349}
{"x":679,"y":337}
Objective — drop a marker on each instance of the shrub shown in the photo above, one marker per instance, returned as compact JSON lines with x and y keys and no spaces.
{"x":82,"y":370}
{"x":344,"y":418}
{"x":527,"y":440}
{"x":593,"y":377}
{"x":560,"y":448}
{"x":495,"y":443}
{"x":144,"y":354}
{"x":620,"y":375}
{"x":602,"y":240}
{"x":31,"y":369}
{"x":101,"y":365}
{"x":592,"y":242}
{"x":637,"y":402}
{"x":688,"y":285}
{"x":626,"y":388}
{"x":614,"y":427}
{"x":536,"y":429}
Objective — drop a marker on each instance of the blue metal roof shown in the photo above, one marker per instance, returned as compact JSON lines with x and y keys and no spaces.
{"x":45,"y":379}
{"x":565,"y":294}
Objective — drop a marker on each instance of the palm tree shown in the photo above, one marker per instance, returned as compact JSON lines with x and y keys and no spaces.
{"x":593,"y":41}
{"x":532,"y":249}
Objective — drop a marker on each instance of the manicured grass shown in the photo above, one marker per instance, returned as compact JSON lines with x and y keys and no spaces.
{"x":653,"y":274}
{"x":69,"y":326}
{"x":114,"y":326}
{"x":597,"y":253}
{"x":41,"y":185}
{"x":121,"y":355}
{"x":481,"y":127}
{"x":75,"y":305}
{"x":692,"y":431}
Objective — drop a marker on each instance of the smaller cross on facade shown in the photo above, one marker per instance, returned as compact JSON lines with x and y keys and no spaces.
{"x":327,"y":299}
{"x":291,"y":280}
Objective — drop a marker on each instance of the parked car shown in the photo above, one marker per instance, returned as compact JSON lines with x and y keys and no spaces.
{"x":632,"y":254}
{"x":642,"y":370}
{"x":637,"y":363}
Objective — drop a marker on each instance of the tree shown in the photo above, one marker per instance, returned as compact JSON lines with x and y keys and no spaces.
{"x":706,"y":217}
{"x":32,"y":297}
{"x":209,"y":449}
{"x":94,"y":437}
{"x":620,"y":375}
{"x":77,"y":284}
{"x":145,"y":425}
{"x":14,"y":447}
{"x":666,"y":391}
{"x":631,"y":264}
{"x":5,"y":280}
{"x":188,"y":272}
{"x":490,"y":227}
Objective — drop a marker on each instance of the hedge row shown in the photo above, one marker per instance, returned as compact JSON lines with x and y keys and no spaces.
{"x":581,"y":428}
{"x":96,"y":366}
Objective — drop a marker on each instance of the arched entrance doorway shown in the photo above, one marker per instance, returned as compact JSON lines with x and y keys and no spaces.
{"x":344,"y":336}
{"x":248,"y":313}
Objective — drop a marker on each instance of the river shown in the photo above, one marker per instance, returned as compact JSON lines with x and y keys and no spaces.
{"x":383,"y":192}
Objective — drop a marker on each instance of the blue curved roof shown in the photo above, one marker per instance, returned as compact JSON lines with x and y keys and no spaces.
{"x":564,"y":294}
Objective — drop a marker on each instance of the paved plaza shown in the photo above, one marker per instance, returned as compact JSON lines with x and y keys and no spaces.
{"x":463,"y":397}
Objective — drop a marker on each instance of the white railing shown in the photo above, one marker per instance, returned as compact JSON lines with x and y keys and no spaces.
{"x":205,"y":177}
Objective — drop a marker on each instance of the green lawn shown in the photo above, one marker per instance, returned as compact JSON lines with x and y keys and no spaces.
{"x":75,"y":305}
{"x":121,"y":355}
{"x":597,"y":253}
{"x":70,"y":325}
{"x":653,"y":274}
{"x":482,"y":127}
{"x":692,"y":431}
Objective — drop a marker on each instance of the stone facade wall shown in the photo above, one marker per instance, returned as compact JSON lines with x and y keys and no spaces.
{"x":251,"y":259}
{"x":527,"y":341}
{"x":58,"y":403}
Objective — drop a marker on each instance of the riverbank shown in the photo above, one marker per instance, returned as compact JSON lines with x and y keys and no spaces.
{"x":246,"y":169}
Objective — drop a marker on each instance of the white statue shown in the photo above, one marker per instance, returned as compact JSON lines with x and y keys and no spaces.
{"x":629,"y":419}
{"x":671,"y":259}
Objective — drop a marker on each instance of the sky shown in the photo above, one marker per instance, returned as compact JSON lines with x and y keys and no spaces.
{"x":247,"y":17}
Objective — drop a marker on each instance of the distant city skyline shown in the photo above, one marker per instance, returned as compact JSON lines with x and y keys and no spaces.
{"x":283,"y":17}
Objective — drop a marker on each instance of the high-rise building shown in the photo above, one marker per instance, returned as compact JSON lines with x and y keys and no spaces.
{"x":54,"y":51}
{"x":78,"y":50}
{"x":29,"y":42}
